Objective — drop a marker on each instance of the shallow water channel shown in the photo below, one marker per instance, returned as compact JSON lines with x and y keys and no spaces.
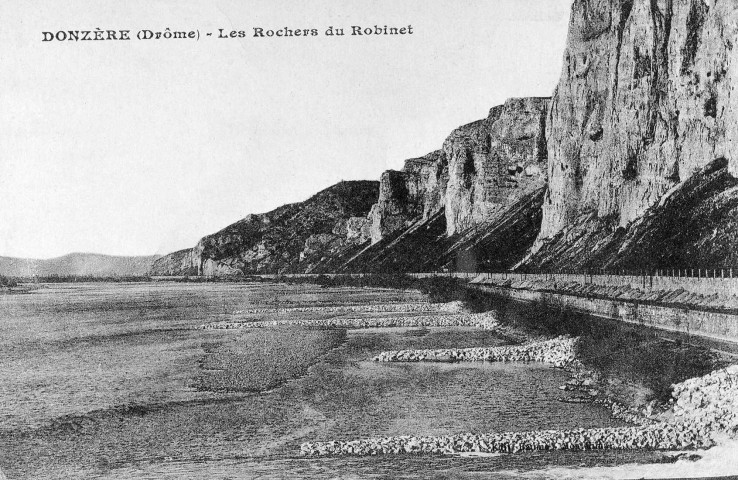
{"x":105,"y":381}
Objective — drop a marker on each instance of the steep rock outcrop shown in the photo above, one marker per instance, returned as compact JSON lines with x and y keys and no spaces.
{"x":482,"y":168}
{"x":493,"y":162}
{"x":695,"y":225}
{"x":644,"y":101}
{"x":498,"y":243}
{"x":293,"y":238}
{"x":180,"y":262}
{"x":416,"y":192}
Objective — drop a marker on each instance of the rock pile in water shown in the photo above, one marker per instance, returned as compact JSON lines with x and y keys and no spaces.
{"x":655,"y":437}
{"x":484,"y":321}
{"x":559,"y":352}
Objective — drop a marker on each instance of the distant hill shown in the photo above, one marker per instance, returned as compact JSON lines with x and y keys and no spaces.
{"x":81,"y":264}
{"x":300,"y":237}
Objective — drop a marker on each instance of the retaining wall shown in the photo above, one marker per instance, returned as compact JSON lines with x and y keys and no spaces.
{"x":702,"y":285}
{"x":718,"y":326}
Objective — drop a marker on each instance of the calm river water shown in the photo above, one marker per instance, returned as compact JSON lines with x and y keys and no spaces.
{"x":100,"y":381}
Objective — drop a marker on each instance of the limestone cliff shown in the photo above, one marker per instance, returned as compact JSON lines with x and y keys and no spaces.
{"x":639,"y":140}
{"x":695,"y":225}
{"x":180,"y":262}
{"x":482,"y":168}
{"x":493,"y":162}
{"x":416,"y":192}
{"x":644,"y":101}
{"x":496,"y":244}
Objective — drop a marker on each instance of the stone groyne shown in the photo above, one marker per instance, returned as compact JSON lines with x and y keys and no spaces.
{"x":484,"y":321}
{"x":450,"y":307}
{"x":709,"y":403}
{"x":655,"y":437}
{"x":558,"y":351}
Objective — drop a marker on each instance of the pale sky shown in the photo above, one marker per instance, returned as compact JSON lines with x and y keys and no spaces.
{"x":141,"y":147}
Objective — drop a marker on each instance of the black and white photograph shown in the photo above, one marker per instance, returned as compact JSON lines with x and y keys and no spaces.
{"x":368,"y":239}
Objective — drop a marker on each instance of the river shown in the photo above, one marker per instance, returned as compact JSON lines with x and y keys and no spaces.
{"x":106,"y":381}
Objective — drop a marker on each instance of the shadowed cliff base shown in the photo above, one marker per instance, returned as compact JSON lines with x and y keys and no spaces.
{"x":492,"y":246}
{"x":694,"y":226}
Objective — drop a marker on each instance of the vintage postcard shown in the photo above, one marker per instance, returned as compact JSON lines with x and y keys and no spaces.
{"x":352,"y":239}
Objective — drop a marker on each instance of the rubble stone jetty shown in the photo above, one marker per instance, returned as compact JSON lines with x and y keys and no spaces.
{"x":654,"y":437}
{"x":559,"y":351}
{"x":448,"y":307}
{"x":484,"y":321}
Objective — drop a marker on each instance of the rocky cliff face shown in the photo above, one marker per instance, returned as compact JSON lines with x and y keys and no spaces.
{"x":695,"y":225}
{"x":646,"y":98}
{"x":181,"y":262}
{"x":644,"y":112}
{"x":482,"y":168}
{"x":293,"y":238}
{"x":497,"y":244}
{"x":416,"y":192}
{"x":493,"y":162}
{"x":484,"y":173}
